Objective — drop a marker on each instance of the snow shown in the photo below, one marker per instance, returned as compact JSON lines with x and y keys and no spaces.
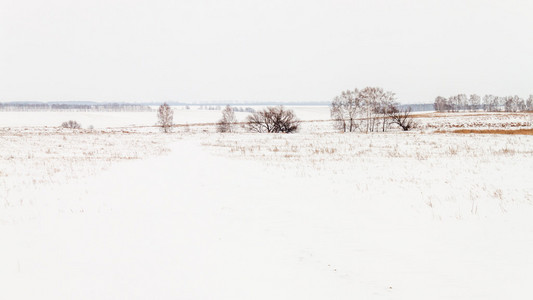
{"x":324,"y":215}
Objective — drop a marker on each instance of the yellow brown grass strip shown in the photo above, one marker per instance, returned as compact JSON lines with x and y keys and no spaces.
{"x":495,"y":131}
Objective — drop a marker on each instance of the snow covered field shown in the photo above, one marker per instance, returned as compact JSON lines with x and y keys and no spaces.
{"x":130,"y":213}
{"x":447,"y":121}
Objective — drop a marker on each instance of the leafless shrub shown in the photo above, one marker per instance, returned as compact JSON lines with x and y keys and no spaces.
{"x":165,"y":116}
{"x":71,"y":124}
{"x":228,"y":121}
{"x":273,"y":120}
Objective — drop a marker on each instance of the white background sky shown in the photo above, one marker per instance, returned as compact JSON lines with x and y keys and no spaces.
{"x":302,"y":50}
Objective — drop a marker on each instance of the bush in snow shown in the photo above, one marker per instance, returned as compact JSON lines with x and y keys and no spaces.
{"x":273,"y":120}
{"x":71,"y":124}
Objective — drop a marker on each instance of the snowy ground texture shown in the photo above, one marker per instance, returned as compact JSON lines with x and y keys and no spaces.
{"x":130,"y":213}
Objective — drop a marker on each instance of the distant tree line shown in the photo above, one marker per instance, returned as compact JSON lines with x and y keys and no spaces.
{"x":105,"y":107}
{"x":417,"y":107}
{"x":235,"y":109}
{"x":244,"y":109}
{"x":488,"y":103}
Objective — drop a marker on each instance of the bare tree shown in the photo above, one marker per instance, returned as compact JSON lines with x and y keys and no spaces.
{"x":402,"y":118}
{"x":165,"y":116}
{"x":521,"y":104}
{"x":475,"y":102}
{"x":510,"y":103}
{"x":529,"y":103}
{"x":337,"y":113}
{"x":488,"y":102}
{"x":273,"y":120}
{"x":345,"y":109}
{"x":386,"y":103}
{"x":463,"y":101}
{"x":228,"y":120}
{"x":373,"y":100}
{"x":440,"y":104}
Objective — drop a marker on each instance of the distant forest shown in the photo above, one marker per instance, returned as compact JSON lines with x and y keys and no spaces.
{"x":143,"y":107}
{"x":490,"y":103}
{"x":418,"y":107}
{"x":73,"y":106}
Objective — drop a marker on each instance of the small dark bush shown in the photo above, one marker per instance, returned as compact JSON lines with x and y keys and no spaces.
{"x":71,"y":124}
{"x":273,"y":120}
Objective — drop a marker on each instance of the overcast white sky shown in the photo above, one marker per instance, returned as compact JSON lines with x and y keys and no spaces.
{"x":301,"y":50}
